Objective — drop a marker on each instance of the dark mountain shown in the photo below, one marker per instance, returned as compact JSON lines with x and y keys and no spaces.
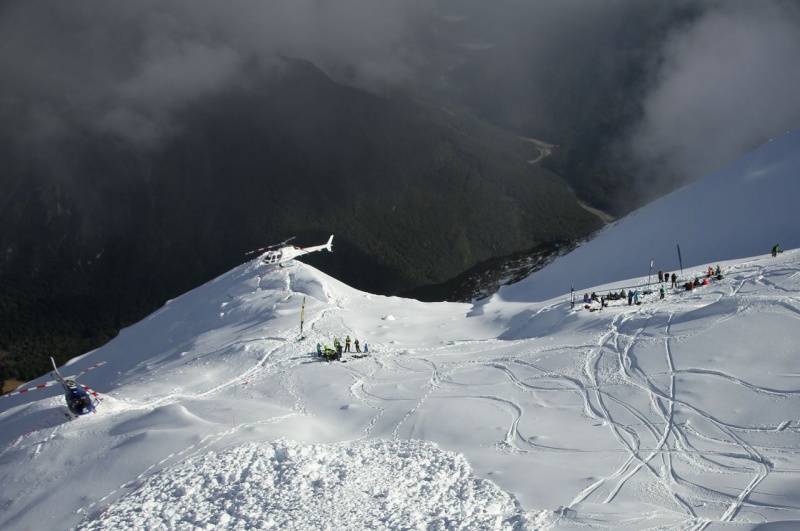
{"x":97,"y":233}
{"x":486,"y":277}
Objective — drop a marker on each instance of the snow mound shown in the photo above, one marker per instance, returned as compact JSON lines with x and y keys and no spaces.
{"x":288,"y":485}
{"x":170,"y":417}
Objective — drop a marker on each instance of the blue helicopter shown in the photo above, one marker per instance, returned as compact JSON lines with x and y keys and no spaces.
{"x":80,"y":398}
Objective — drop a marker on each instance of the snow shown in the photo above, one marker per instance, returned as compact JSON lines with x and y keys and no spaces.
{"x":514,"y":412}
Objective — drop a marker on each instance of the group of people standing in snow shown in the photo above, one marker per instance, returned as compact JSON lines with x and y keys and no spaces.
{"x":335,"y":353}
{"x":665,"y":277}
{"x":634,"y":296}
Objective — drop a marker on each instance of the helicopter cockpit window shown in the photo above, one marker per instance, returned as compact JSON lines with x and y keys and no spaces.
{"x":81,"y":403}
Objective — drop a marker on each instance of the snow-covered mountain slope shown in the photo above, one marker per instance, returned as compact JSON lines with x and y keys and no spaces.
{"x":741,"y":210}
{"x":679,"y":413}
{"x":503,"y":414}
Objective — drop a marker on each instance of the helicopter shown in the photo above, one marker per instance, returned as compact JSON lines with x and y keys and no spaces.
{"x":80,"y":398}
{"x":280,"y":253}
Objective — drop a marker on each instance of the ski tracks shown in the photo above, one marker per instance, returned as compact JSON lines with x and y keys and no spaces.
{"x":609,"y":366}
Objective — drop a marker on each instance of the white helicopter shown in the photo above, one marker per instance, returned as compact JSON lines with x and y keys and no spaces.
{"x":280,"y":253}
{"x":80,"y":398}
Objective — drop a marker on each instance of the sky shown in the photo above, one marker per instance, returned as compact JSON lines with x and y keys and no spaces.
{"x":519,"y":411}
{"x":716,"y":85}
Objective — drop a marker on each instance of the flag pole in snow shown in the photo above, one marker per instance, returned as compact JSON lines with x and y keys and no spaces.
{"x":572,"y":296}
{"x":680,"y":260}
{"x":302,"y":315}
{"x":650,"y":274}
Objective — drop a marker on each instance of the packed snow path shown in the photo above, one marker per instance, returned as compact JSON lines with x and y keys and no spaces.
{"x":679,"y":413}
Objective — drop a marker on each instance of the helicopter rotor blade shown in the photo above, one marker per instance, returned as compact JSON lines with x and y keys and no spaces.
{"x":284,"y":242}
{"x":84,"y":371}
{"x":42,"y":386}
{"x":87,"y":369}
{"x":91,"y":391}
{"x":268,"y":247}
{"x":256,"y":251}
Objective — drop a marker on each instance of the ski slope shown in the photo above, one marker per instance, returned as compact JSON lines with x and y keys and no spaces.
{"x":678,"y":413}
{"x":508,"y":413}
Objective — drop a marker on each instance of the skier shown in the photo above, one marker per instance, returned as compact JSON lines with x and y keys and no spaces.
{"x":358,"y":349}
{"x":630,"y":297}
{"x":662,"y":291}
{"x":347,"y":344}
{"x":319,"y":350}
{"x":660,"y":275}
{"x":366,"y":348}
{"x":776,"y":250}
{"x":674,"y":280}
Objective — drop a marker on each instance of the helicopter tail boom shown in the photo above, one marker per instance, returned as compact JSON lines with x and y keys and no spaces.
{"x":328,"y":245}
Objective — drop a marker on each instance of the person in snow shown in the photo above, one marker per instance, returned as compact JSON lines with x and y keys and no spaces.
{"x":636,"y":297}
{"x":366,"y":348}
{"x":710,"y":272}
{"x":586,"y":299}
{"x":660,"y":275}
{"x":776,"y":250}
{"x":661,"y":292}
{"x":347,"y":343}
{"x":674,"y":280}
{"x":358,"y":349}
{"x":630,"y":297}
{"x":319,"y":350}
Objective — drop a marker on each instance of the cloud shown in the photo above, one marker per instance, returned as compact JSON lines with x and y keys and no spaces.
{"x":724,"y":84}
{"x":127,"y":68}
